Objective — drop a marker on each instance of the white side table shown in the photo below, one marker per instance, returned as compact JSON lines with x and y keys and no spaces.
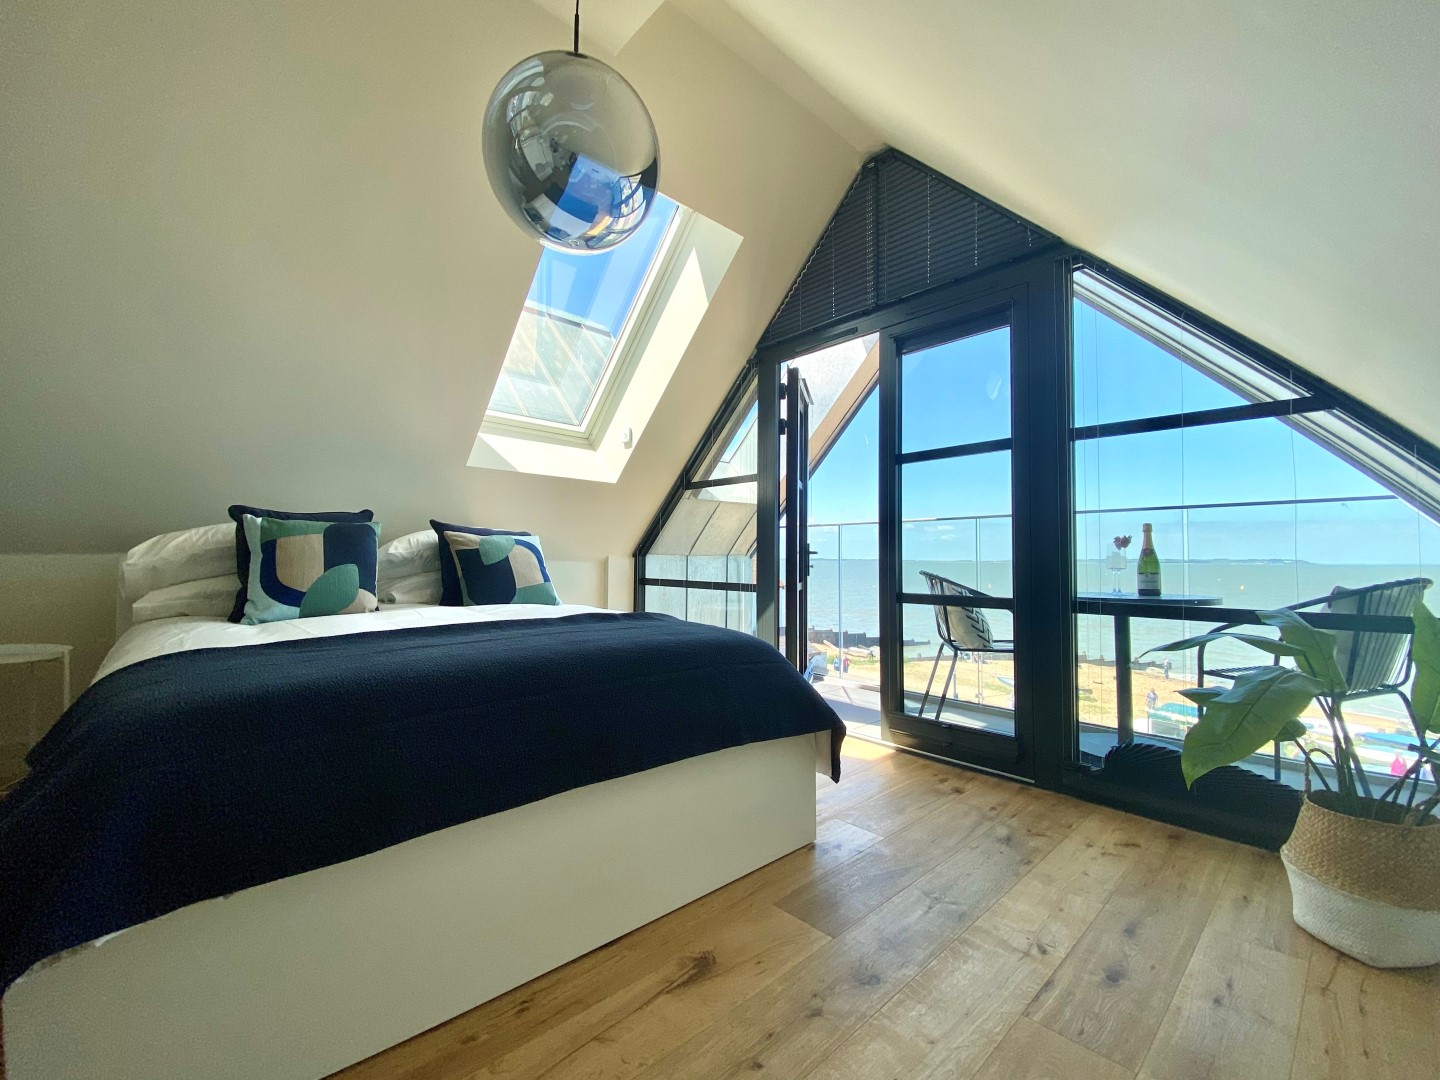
{"x":23,"y":722}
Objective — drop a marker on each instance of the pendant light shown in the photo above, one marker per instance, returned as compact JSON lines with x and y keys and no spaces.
{"x":570,"y":150}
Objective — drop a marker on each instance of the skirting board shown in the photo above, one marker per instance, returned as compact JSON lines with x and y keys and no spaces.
{"x":300,"y":977}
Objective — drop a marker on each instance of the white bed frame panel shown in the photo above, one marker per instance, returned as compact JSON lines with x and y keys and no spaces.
{"x":300,"y":977}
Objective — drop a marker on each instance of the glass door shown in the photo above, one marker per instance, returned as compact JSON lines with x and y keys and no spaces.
{"x":795,"y":517}
{"x":949,"y":673}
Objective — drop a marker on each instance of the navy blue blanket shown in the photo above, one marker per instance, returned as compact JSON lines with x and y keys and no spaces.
{"x":196,"y":774}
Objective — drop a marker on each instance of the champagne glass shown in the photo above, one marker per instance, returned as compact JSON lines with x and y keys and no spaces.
{"x":1116,"y":562}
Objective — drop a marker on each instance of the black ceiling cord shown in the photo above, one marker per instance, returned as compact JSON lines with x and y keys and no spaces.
{"x":576,"y":50}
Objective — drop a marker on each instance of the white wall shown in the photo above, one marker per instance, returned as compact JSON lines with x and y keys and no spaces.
{"x":248,"y":253}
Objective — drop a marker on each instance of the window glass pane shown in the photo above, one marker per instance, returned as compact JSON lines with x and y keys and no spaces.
{"x":712,"y":532}
{"x":574,"y":315}
{"x":1256,"y":514}
{"x":845,"y":486}
{"x":1120,"y":375}
{"x":956,"y":522}
{"x":1132,"y":360}
{"x":735,"y":611}
{"x":735,"y":455}
{"x":956,"y":393}
{"x":837,"y":376}
{"x":978,"y":687}
{"x":666,"y":600}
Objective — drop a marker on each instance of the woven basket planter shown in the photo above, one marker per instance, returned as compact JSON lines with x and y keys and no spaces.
{"x":1370,"y":888}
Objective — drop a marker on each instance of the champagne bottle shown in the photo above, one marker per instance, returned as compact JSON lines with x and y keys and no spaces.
{"x":1148,"y":569}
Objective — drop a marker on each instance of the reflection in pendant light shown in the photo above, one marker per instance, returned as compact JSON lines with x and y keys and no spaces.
{"x":570,"y":150}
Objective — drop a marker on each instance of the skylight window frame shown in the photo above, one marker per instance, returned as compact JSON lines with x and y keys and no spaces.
{"x":630,"y":342}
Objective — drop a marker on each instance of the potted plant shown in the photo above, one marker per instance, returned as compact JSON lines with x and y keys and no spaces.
{"x":1364,"y":868}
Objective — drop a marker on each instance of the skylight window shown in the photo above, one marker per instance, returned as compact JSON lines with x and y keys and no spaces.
{"x":573,"y":329}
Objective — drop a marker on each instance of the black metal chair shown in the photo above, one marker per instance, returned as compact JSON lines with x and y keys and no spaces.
{"x":961,"y":629}
{"x":1373,"y":662}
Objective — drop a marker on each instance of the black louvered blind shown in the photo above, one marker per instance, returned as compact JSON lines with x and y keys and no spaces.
{"x":900,"y":229}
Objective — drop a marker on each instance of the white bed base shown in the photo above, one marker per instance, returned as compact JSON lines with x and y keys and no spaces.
{"x":300,"y":977}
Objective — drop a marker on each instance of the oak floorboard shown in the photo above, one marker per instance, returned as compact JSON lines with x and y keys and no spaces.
{"x":620,"y":1035}
{"x":859,"y":784}
{"x":1031,"y":1052}
{"x":906,"y":802}
{"x":1001,"y":933}
{"x":1364,"y":1023}
{"x":951,"y":1016}
{"x":1112,"y":991}
{"x":463,"y":1045}
{"x":842,"y":897}
{"x":789,"y":1027}
{"x":1237,"y":1009}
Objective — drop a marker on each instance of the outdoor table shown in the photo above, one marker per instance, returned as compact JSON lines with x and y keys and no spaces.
{"x":1122,"y":607}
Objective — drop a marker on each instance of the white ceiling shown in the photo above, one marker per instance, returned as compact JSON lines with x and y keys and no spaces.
{"x":1274,"y":163}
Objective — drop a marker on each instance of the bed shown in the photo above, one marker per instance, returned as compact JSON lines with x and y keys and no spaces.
{"x":351,"y":869}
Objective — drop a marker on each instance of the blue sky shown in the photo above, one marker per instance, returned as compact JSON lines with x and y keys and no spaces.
{"x":960,"y":392}
{"x":601,"y":287}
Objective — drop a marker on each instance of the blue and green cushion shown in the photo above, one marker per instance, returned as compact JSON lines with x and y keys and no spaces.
{"x":500,"y":569}
{"x":449,"y":579}
{"x":242,"y":549}
{"x":300,"y":569}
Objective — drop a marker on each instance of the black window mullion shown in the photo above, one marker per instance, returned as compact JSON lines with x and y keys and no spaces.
{"x":695,"y":583}
{"x":1204,"y":417}
{"x":941,"y":453}
{"x":723,"y":481}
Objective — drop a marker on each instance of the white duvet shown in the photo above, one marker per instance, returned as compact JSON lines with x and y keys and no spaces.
{"x":197,"y":632}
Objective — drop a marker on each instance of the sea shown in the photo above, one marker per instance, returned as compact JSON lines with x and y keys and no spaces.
{"x":844,"y":597}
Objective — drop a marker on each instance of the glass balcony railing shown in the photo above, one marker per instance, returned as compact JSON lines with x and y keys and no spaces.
{"x":1251,"y":555}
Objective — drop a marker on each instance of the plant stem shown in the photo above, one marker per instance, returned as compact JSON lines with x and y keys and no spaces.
{"x":1306,"y":752}
{"x":1351,"y":753}
{"x":1343,"y":775}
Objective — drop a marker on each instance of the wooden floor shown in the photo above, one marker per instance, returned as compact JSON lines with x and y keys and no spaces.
{"x":947,"y":924}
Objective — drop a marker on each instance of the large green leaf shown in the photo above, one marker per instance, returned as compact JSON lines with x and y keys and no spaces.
{"x":1425,"y":649}
{"x":1259,"y":707}
{"x":1266,"y":644}
{"x":1317,"y":656}
{"x":1203,"y":695}
{"x":1292,"y":731}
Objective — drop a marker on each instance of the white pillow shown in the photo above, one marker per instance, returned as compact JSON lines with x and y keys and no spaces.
{"x":415,"y":589}
{"x":187,"y":555}
{"x":408,"y":555}
{"x":213,"y":596}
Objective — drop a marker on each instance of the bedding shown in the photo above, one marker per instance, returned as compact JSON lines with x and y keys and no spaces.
{"x":450,"y":594}
{"x":178,"y":557}
{"x":303,"y":569}
{"x":241,"y":564}
{"x":500,"y":569}
{"x":409,"y":555}
{"x":180,"y":776}
{"x":416,"y":589}
{"x":210,"y":596}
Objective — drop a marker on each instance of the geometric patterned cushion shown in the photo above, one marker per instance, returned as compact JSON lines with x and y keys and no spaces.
{"x":242,"y":549}
{"x":300,"y":569}
{"x":450,"y":595}
{"x":500,"y":569}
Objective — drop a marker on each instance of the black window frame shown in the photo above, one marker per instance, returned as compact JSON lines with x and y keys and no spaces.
{"x":1042,"y":445}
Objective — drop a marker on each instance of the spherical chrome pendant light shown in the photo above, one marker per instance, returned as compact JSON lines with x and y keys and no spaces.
{"x":571,"y":151}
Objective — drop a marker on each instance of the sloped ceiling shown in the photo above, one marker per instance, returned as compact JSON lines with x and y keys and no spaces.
{"x":248,"y":253}
{"x":1273,"y":163}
